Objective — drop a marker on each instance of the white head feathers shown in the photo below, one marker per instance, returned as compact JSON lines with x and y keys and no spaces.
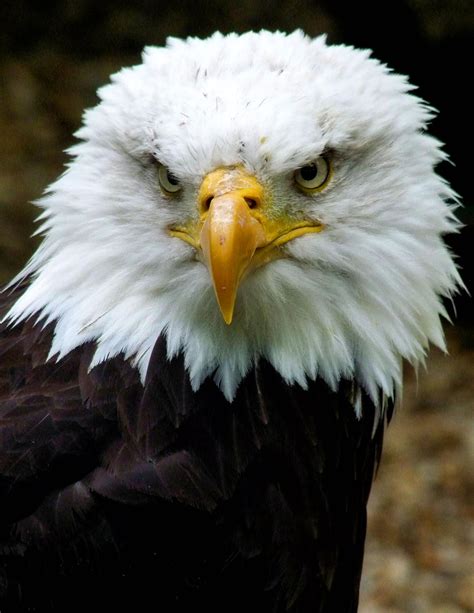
{"x":349,"y":302}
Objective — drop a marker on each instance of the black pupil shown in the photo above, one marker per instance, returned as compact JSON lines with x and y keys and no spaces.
{"x":172,"y":179}
{"x":308,"y":173}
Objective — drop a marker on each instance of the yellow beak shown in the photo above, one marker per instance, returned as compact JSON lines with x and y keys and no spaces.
{"x":229,"y":238}
{"x":235,"y":233}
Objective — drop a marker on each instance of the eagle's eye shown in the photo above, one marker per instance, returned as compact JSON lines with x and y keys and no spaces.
{"x":313,"y":177}
{"x":168,"y":182}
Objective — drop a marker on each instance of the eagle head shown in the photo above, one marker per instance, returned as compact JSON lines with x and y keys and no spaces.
{"x":255,"y":196}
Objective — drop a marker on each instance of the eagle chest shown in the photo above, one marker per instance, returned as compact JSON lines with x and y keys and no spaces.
{"x":275,"y":484}
{"x":256,"y":502}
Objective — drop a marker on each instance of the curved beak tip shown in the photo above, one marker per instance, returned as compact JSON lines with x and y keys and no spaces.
{"x":229,"y":238}
{"x":226,"y":303}
{"x":228,"y":317}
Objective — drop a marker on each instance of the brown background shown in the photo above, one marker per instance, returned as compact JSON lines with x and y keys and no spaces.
{"x":54,"y":55}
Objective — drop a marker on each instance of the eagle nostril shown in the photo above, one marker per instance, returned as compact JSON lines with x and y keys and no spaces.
{"x":206,"y":205}
{"x":252,"y":203}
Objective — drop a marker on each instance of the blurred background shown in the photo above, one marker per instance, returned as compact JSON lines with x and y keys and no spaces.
{"x":54,"y":55}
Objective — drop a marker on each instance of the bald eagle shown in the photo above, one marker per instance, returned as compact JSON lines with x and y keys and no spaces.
{"x":199,"y":361}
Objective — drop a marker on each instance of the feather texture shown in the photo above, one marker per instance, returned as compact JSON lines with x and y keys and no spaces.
{"x":188,"y":496}
{"x":152,"y":453}
{"x":350,"y":302}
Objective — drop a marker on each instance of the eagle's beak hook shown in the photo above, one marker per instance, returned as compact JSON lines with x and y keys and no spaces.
{"x":229,"y":238}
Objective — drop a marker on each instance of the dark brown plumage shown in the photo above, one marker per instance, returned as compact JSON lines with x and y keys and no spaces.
{"x":116,"y":494}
